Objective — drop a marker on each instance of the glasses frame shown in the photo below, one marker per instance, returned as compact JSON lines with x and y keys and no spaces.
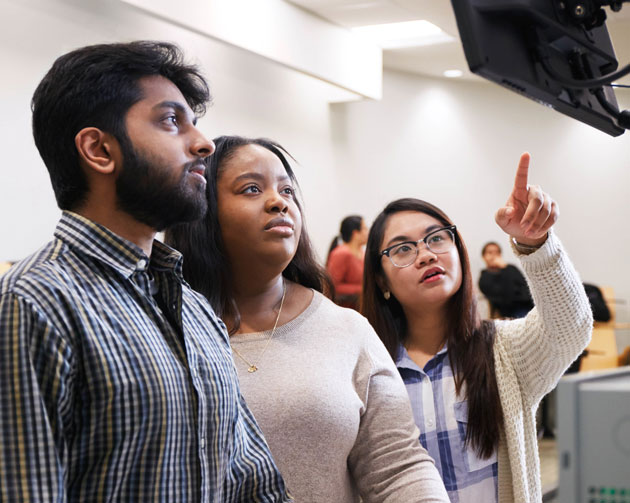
{"x":450,"y":228}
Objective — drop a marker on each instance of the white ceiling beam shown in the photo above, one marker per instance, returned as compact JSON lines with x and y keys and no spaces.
{"x":283,"y":33}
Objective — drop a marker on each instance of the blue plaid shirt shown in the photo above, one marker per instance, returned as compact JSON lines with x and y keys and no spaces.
{"x":117,"y":382}
{"x":441,"y":417}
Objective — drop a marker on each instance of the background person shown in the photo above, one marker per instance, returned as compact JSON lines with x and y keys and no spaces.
{"x":325,"y":392}
{"x":504,"y":285}
{"x":475,"y":385}
{"x":116,"y":381}
{"x":345,"y":261}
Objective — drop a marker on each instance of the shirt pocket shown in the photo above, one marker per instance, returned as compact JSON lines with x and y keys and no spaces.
{"x":473,"y":462}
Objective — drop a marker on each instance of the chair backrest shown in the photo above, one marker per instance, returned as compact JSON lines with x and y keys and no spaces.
{"x":602,"y":350}
{"x":599,"y":306}
{"x":609,"y":296}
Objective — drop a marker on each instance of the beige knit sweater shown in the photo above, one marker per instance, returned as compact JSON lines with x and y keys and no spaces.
{"x":335,"y":412}
{"x":530,"y":355}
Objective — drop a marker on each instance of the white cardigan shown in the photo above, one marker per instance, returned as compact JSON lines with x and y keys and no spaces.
{"x":530,"y":356}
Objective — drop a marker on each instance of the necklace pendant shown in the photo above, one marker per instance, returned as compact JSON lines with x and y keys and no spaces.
{"x":252,"y":368}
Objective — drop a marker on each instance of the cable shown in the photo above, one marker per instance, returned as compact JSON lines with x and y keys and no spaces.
{"x":583,"y":67}
{"x":581,"y":84}
{"x":606,"y":105}
{"x":622,"y":117}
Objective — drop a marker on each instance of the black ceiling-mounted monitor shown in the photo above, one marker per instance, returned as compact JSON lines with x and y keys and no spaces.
{"x":556,"y":52}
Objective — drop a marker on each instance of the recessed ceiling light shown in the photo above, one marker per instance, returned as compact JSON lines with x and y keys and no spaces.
{"x":452,"y":74}
{"x":405,"y":34}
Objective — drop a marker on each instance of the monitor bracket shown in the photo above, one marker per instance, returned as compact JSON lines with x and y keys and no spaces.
{"x":589,"y":13}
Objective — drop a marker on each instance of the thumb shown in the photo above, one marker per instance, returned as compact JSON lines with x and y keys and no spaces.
{"x":504,"y":215}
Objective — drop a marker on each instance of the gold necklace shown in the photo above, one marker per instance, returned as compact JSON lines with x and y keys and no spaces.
{"x":251,"y":367}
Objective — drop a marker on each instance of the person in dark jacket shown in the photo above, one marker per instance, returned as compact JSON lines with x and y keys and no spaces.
{"x":504,"y":285}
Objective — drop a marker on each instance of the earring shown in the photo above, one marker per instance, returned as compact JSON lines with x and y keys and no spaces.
{"x":386,"y":294}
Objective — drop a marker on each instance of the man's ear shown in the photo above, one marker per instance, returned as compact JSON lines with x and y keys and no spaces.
{"x":97,"y":150}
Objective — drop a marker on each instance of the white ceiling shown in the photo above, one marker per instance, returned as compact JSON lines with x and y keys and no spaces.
{"x":434,"y":60}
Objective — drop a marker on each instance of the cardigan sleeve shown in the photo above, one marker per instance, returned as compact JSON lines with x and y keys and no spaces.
{"x":554,"y":333}
{"x":387,"y":461}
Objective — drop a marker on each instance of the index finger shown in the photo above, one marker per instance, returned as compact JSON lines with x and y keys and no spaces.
{"x":520,"y":182}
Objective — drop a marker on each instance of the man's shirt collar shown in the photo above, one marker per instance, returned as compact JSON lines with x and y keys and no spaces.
{"x":107,"y":247}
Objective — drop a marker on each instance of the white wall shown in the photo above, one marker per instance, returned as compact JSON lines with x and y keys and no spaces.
{"x":453,"y":143}
{"x":457,"y":145}
{"x":252,"y":96}
{"x":284,"y":33}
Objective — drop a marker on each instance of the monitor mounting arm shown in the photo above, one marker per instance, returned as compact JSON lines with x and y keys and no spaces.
{"x":590,"y":13}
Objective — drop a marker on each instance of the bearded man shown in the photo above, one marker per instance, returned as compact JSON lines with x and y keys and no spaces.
{"x":116,"y":379}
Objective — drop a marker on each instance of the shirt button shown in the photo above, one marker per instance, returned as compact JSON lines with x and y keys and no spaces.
{"x":193,"y":371}
{"x":141,"y":264}
{"x":202,"y":443}
{"x":430,"y":422}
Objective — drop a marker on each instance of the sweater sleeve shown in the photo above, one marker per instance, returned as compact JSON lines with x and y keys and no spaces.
{"x":542,"y":345}
{"x":387,"y":461}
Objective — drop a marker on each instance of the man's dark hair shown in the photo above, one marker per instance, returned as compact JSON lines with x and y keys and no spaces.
{"x":95,"y":86}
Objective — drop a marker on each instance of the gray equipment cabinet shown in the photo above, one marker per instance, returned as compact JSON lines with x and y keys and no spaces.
{"x":593,"y":432}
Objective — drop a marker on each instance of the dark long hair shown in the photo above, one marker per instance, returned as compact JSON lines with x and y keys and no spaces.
{"x":206,"y":265}
{"x":470,"y":340}
{"x":348,"y":226}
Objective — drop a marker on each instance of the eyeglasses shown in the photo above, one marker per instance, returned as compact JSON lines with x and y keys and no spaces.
{"x":439,"y":241}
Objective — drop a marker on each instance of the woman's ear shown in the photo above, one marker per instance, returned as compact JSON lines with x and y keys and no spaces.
{"x":97,"y":150}
{"x":381,"y":282}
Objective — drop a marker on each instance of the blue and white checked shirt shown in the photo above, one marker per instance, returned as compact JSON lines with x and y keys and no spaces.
{"x":441,"y":417}
{"x":109,"y":395}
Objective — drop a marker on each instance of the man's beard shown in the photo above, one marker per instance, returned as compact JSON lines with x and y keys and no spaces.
{"x":145,"y":190}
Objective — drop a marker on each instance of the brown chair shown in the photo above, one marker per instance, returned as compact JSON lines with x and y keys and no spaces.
{"x":624,"y":357}
{"x":602,"y":352}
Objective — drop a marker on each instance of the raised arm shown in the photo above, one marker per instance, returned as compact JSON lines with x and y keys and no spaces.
{"x":542,"y":345}
{"x":529,"y":212}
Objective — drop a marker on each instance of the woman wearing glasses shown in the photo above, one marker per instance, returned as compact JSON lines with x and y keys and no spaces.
{"x":475,"y":385}
{"x":322,"y":387}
